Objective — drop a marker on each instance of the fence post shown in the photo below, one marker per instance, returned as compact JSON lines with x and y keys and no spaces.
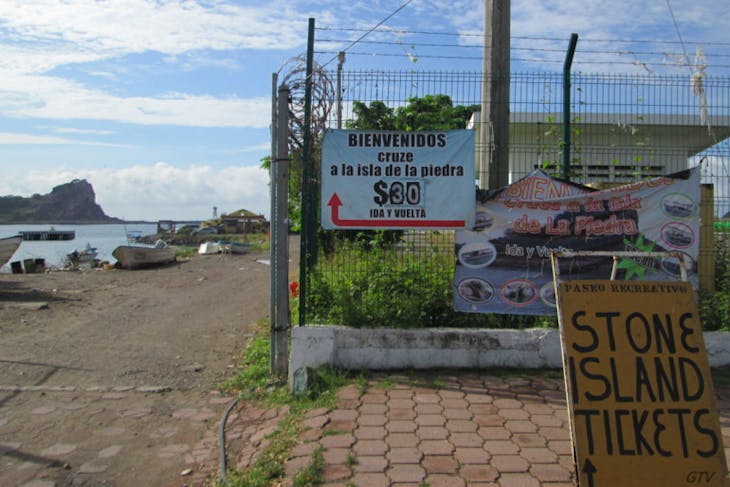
{"x":566,"y":105}
{"x":279,"y":358}
{"x":309,"y":217}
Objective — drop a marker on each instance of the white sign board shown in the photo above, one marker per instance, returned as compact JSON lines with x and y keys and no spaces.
{"x":398,"y":180}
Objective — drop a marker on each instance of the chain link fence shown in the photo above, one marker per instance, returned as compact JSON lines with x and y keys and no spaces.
{"x":623,"y":128}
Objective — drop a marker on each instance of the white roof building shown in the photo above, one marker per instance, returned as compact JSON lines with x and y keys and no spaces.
{"x":607,"y":147}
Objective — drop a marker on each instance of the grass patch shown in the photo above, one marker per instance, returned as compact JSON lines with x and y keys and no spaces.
{"x":386,"y":383}
{"x":269,"y":466}
{"x":185,"y":251}
{"x":333,"y":432}
{"x":253,"y":383}
{"x":362,"y":383}
{"x":312,"y":473}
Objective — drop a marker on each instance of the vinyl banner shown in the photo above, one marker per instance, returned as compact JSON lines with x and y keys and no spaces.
{"x":397,"y":180}
{"x":503,"y":264}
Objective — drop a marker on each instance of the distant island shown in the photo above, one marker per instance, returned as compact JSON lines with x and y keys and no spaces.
{"x":73,"y":202}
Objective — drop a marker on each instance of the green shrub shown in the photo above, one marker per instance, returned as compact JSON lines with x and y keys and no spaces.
{"x":715,"y":307}
{"x":370,"y":287}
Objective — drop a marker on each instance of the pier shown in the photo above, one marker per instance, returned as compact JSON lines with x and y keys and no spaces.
{"x":48,"y":234}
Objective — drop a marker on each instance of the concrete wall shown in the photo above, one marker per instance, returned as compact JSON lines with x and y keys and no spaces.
{"x":388,"y":348}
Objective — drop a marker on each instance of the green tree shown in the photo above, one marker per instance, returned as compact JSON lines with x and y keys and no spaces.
{"x":432,"y":112}
{"x":375,"y":117}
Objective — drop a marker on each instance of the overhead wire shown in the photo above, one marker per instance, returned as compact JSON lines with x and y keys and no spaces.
{"x":371,"y":30}
{"x":530,"y":38}
{"x":515,"y":59}
{"x":679,"y":35}
{"x":682,"y":57}
{"x":561,"y":51}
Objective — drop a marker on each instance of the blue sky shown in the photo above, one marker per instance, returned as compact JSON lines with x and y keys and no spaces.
{"x":164,"y":106}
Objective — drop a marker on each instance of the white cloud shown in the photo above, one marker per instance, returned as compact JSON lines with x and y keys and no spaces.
{"x":73,"y":130}
{"x":160,"y":190}
{"x":40,"y":36}
{"x":12,"y":138}
{"x":132,"y":26}
{"x":542,"y":29}
{"x":55,"y":98}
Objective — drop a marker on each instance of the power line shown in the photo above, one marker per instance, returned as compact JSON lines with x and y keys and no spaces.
{"x":528,"y":38}
{"x":679,"y":35}
{"x":371,"y":30}
{"x":526,"y":60}
{"x":539,"y":49}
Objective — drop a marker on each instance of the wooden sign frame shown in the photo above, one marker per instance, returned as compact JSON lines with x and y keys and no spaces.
{"x":639,"y":390}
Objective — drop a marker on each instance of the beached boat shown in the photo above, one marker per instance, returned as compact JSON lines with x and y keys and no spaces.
{"x":235,"y":247}
{"x":8,"y":246}
{"x":135,"y":256}
{"x":207,"y":248}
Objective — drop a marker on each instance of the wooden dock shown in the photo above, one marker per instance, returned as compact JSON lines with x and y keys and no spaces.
{"x":48,"y":235}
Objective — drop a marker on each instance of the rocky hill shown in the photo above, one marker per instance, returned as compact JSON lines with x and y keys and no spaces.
{"x":73,"y":202}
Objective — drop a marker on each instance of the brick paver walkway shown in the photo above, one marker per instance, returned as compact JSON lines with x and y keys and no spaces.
{"x":469,"y":429}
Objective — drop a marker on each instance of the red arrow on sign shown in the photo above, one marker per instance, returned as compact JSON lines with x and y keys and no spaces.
{"x":335,"y":202}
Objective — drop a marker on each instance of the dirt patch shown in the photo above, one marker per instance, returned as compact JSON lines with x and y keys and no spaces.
{"x":110,"y":377}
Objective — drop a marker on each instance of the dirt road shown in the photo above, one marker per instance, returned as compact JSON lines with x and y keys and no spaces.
{"x":109,"y":377}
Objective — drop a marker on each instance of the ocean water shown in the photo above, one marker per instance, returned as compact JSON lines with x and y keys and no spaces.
{"x":104,"y":237}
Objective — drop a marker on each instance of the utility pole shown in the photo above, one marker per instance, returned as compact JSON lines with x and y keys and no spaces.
{"x":340,"y":62}
{"x":494,"y":132}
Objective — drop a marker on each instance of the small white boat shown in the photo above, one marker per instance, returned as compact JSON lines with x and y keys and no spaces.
{"x":208,"y":248}
{"x":8,"y":246}
{"x":235,"y":247}
{"x":135,"y":256}
{"x":83,"y":258}
{"x":134,"y":236}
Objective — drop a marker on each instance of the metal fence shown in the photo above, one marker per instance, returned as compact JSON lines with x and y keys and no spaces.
{"x":623,"y":128}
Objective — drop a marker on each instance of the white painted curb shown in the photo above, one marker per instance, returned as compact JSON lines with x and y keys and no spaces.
{"x":432,"y":348}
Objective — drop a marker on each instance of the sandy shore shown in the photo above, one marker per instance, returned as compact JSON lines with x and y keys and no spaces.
{"x":159,"y":341}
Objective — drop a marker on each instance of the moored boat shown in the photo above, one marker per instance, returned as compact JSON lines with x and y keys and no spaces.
{"x":83,"y":258}
{"x":8,"y":246}
{"x":135,"y":256}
